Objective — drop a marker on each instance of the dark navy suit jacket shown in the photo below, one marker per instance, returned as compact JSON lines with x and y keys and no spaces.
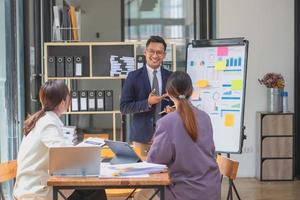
{"x":134,"y":100}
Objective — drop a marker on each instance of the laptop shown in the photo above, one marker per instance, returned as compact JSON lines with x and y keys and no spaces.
{"x":74,"y":161}
{"x":123,"y":152}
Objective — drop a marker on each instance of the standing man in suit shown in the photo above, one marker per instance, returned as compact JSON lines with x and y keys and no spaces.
{"x":143,"y":93}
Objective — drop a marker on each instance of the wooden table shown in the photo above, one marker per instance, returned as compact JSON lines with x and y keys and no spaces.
{"x":156,"y":181}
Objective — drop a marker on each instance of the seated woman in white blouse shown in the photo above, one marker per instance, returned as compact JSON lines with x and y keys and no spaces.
{"x":42,"y":130}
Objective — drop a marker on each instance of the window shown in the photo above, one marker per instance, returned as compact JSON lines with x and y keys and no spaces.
{"x":10,"y":82}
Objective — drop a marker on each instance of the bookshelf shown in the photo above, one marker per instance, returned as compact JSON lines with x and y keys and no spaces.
{"x":96,"y":75}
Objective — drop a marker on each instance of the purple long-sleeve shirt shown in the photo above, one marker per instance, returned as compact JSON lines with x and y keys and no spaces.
{"x":192,"y":167}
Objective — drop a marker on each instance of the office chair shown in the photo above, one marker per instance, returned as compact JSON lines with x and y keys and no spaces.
{"x":229,"y":169}
{"x":8,"y":171}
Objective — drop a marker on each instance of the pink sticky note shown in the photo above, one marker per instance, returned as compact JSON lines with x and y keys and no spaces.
{"x":222,"y":51}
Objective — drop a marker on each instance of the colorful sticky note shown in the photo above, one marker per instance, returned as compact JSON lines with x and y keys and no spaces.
{"x":236,"y":85}
{"x":195,"y":95}
{"x":222,"y":51}
{"x":229,"y":120}
{"x":220,"y":65}
{"x":202,"y":83}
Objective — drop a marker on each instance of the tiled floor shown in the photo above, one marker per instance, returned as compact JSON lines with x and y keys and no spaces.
{"x":252,"y":189}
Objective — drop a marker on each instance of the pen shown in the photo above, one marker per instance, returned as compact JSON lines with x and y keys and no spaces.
{"x":162,"y":112}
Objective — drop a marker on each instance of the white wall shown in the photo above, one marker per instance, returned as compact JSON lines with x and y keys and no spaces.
{"x":103,"y":17}
{"x":269,"y":27}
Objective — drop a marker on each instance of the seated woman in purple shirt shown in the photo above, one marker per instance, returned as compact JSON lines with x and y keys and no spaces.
{"x":183,"y":140}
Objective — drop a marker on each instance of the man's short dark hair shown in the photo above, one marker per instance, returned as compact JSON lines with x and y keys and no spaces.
{"x":155,"y":38}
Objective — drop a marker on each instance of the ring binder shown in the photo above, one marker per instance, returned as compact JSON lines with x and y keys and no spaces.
{"x":100,"y":100}
{"x":91,"y":100}
{"x":78,"y":65}
{"x":83,"y":100}
{"x":69,"y":66}
{"x":74,"y":105}
{"x":60,"y":67}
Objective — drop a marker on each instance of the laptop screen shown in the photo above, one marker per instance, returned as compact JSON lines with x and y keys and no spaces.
{"x":74,"y":161}
{"x":123,"y":151}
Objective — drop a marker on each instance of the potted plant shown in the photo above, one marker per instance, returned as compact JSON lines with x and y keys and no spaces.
{"x":275,"y":84}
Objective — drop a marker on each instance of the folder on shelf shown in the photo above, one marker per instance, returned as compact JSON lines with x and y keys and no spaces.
{"x":91,"y":100}
{"x":100,"y":100}
{"x":75,"y":99}
{"x":72,"y":14}
{"x":83,"y":100}
{"x":108,"y":100}
{"x":66,"y":25}
{"x":60,"y":66}
{"x":78,"y":65}
{"x":56,"y":34}
{"x":51,"y":66}
{"x":140,"y":61}
{"x":69,"y":66}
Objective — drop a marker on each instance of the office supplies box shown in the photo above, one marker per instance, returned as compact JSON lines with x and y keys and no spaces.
{"x":60,"y":66}
{"x":123,"y":152}
{"x":75,"y":101}
{"x":70,"y":135}
{"x":51,"y":66}
{"x":69,"y":66}
{"x":91,"y":100}
{"x":100,"y":100}
{"x":78,"y":65}
{"x":83,"y":100}
{"x":74,"y":161}
{"x":108,"y":100}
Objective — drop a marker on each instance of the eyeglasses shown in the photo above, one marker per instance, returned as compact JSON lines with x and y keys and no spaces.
{"x":159,"y":53}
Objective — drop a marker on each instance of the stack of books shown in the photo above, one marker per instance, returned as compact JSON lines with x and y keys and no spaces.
{"x":70,"y":135}
{"x":139,"y":169}
{"x":121,"y":65}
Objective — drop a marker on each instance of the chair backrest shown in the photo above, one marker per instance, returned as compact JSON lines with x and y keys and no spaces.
{"x":227,"y":167}
{"x":8,"y":170}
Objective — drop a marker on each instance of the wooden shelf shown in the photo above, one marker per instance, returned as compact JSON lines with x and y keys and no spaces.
{"x":88,"y":78}
{"x":94,"y":112}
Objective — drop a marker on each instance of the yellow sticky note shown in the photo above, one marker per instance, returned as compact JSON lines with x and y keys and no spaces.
{"x":220,"y":65}
{"x":202,"y":83}
{"x":229,"y":120}
{"x":236,"y":85}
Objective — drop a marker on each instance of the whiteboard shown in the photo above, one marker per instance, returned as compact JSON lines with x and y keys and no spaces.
{"x":218,"y":72}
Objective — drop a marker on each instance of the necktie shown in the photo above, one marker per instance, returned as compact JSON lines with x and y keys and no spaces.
{"x":156,"y":87}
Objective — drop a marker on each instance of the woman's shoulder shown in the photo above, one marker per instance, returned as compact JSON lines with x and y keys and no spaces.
{"x":200,"y":113}
{"x":169,"y":118}
{"x":50,"y":118}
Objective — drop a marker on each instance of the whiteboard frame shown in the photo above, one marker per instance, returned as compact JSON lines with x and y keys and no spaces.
{"x":228,"y":42}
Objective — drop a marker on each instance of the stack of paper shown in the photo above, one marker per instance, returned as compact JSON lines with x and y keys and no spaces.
{"x":92,"y":141}
{"x":70,"y":135}
{"x":140,"y":169}
{"x":121,"y":65}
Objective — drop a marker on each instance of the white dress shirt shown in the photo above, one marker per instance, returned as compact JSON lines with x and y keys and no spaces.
{"x":158,"y":75}
{"x":33,"y":158}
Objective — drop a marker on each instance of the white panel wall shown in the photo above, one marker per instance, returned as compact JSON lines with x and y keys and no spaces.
{"x":269,"y":26}
{"x":103,"y":17}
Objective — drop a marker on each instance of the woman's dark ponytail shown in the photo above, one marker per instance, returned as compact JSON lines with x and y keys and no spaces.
{"x":51,"y":94}
{"x":179,"y":85}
